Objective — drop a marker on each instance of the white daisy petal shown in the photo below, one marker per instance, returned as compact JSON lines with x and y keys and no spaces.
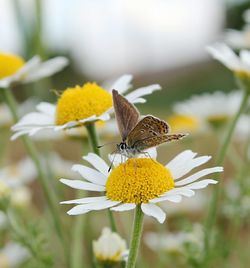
{"x":245,"y":58}
{"x":191,"y":164}
{"x":154,"y":211}
{"x":171,"y":198}
{"x":22,"y":73}
{"x":90,"y":174}
{"x":124,"y":207}
{"x":77,"y":210}
{"x":224,"y":54}
{"x":180,"y":191}
{"x":143,"y":91}
{"x":198,"y":175}
{"x":201,"y":184}
{"x":122,"y":84}
{"x":92,"y":206}
{"x":177,"y":166}
{"x":97,"y":162}
{"x":85,"y":200}
{"x":47,"y":108}
{"x":82,"y":185}
{"x":47,"y":68}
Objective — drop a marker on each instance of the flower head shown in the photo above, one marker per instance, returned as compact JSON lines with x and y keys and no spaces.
{"x":77,"y":106}
{"x":201,"y":112}
{"x":14,"y":70}
{"x":110,"y":247}
{"x":140,"y":181}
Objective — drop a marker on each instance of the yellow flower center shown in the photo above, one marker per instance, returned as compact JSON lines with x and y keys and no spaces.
{"x":82,"y":102}
{"x":179,"y":123}
{"x":217,"y":120}
{"x":9,"y":64}
{"x":138,"y":180}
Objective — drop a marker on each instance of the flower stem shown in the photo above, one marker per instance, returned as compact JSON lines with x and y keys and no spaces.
{"x":213,"y":208}
{"x":47,"y":190}
{"x":93,"y":140}
{"x":136,"y":237}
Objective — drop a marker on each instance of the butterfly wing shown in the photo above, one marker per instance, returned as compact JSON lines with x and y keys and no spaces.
{"x":126,"y":114}
{"x":157,"y":140}
{"x":147,"y":127}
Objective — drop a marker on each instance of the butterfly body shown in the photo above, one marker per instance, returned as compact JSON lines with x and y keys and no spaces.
{"x":138,"y":134}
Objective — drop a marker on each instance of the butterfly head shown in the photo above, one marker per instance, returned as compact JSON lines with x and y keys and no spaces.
{"x":122,"y":146}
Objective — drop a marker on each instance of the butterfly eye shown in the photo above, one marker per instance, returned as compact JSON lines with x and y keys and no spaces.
{"x":123,"y":146}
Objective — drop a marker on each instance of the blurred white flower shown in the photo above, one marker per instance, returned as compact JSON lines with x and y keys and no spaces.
{"x":5,"y":116}
{"x":167,"y":183}
{"x":21,"y":197}
{"x":14,"y":70}
{"x":109,"y":247}
{"x":206,"y":110}
{"x":12,"y":255}
{"x":176,"y":242}
{"x":242,"y":130}
{"x":79,"y":105}
{"x":171,"y":242}
{"x":238,"y":39}
{"x":18,"y":174}
{"x":23,"y":108}
{"x":238,"y":64}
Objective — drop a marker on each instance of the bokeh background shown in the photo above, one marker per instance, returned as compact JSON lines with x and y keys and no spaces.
{"x":157,"y":41}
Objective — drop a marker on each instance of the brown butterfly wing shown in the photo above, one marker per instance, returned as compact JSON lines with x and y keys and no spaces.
{"x":126,"y":114}
{"x":155,"y":141}
{"x":147,"y":127}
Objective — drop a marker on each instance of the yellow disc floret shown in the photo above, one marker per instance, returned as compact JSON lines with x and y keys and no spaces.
{"x":180,"y":123}
{"x":138,"y":180}
{"x":9,"y":64}
{"x":82,"y":102}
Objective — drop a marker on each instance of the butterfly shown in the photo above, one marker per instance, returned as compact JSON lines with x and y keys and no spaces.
{"x":138,"y":134}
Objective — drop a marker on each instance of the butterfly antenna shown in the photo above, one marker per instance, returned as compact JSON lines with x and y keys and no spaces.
{"x":111,"y":164}
{"x":100,"y":146}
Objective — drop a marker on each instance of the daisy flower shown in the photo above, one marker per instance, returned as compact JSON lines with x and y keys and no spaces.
{"x":14,"y":70}
{"x":79,"y":105}
{"x":140,"y":181}
{"x":12,"y":255}
{"x":200,"y":112}
{"x":110,"y":247}
{"x":240,"y":65}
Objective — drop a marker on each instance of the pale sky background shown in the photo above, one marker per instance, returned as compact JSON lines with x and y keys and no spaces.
{"x":109,"y":37}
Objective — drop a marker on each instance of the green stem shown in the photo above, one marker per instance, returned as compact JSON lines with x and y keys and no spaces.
{"x":93,"y":140}
{"x":213,"y":208}
{"x":136,"y":237}
{"x":48,"y":192}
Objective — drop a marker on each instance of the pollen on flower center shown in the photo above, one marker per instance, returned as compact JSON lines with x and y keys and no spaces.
{"x":181,"y":122}
{"x":82,"y":102}
{"x":138,"y":180}
{"x":9,"y":64}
